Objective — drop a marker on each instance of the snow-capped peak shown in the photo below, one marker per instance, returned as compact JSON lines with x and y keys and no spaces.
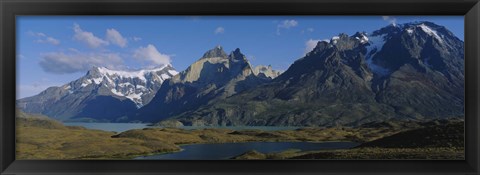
{"x":362,"y":37}
{"x":140,"y":74}
{"x":334,"y":39}
{"x":418,"y":29}
{"x":136,"y":85}
{"x":430,"y":32}
{"x":425,"y":26}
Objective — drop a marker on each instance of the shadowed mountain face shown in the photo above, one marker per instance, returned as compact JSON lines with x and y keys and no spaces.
{"x":101,"y":95}
{"x":409,"y":71}
{"x":213,"y":77}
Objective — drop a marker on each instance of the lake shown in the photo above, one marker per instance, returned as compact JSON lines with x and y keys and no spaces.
{"x":228,"y":150}
{"x":121,"y":127}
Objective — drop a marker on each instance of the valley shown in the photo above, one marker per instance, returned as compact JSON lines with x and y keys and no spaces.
{"x":41,"y":138}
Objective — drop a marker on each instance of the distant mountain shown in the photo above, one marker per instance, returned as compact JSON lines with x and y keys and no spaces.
{"x":101,"y":95}
{"x":408,"y":71}
{"x":266,"y":71}
{"x":213,"y":77}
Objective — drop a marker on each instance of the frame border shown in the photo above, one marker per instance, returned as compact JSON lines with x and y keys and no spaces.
{"x":9,"y":9}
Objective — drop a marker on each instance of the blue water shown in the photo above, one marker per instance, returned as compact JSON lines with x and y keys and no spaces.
{"x":229,"y":150}
{"x":121,"y":127}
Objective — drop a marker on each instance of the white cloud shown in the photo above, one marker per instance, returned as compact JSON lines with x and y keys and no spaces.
{"x":73,"y":50}
{"x":36,"y":34}
{"x":116,"y":38}
{"x":136,"y":38}
{"x":308,"y":30}
{"x":219,"y":30}
{"x":390,"y":19}
{"x":43,"y":38}
{"x":286,"y":24}
{"x":65,"y":63}
{"x":310,"y":45}
{"x":152,"y":55}
{"x":48,"y":40}
{"x":87,"y":37}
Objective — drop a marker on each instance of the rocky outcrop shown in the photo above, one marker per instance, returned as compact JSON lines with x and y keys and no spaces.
{"x":213,"y":77}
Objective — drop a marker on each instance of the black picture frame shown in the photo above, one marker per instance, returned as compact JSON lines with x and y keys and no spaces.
{"x":9,"y":9}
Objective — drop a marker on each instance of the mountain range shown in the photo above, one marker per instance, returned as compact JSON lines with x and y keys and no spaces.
{"x":101,"y":95}
{"x":411,"y":71}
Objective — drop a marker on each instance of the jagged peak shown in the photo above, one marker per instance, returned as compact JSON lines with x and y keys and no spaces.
{"x":416,"y":23}
{"x":390,"y":29}
{"x":361,"y":36}
{"x":340,"y":36}
{"x":237,"y":50}
{"x":343,"y":41}
{"x":343,"y":35}
{"x":95,"y":70}
{"x":437,"y":31}
{"x":321,"y":45}
{"x":237,"y":55}
{"x":147,"y":69}
{"x":99,"y":71}
{"x":427,"y":27}
{"x":266,"y":71}
{"x":215,"y":52}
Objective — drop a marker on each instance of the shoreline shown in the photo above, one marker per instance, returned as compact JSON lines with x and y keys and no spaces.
{"x":39,"y":138}
{"x":281,"y":141}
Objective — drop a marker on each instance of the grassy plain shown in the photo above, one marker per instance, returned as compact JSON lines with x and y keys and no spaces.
{"x":41,"y":138}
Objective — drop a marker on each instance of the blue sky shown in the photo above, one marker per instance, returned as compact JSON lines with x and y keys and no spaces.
{"x":54,"y":50}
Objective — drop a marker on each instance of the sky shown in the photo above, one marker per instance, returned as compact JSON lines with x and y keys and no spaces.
{"x":54,"y":50}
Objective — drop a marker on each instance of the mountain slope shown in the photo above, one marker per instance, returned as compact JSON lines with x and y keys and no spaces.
{"x":413,"y":70}
{"x":426,"y":73}
{"x":102,"y":94}
{"x":214,"y":76}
